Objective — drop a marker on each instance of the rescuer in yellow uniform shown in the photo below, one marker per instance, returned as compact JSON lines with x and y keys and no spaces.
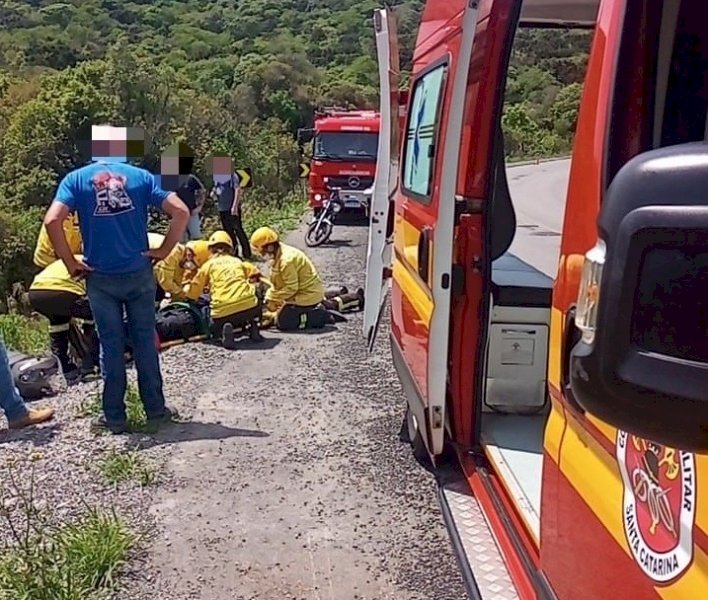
{"x":44,"y":253}
{"x":179,"y":267}
{"x":60,"y":298}
{"x":295,"y":297}
{"x":231,"y":282}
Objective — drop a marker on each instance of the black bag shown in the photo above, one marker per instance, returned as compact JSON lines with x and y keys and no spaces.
{"x":33,"y":377}
{"x":180,"y":321}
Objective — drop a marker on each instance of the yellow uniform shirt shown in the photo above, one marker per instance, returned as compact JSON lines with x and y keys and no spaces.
{"x":227,"y":279}
{"x":56,"y":278}
{"x":168,"y":272}
{"x":294,"y":279}
{"x":44,"y":253}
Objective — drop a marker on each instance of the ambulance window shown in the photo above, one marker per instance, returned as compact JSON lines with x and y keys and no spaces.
{"x":422,"y":132}
{"x":661,"y":83}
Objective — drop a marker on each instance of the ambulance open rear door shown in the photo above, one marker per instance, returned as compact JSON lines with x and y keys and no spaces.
{"x":378,"y":259}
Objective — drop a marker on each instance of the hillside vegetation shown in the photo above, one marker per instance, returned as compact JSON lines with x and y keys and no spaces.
{"x":239,"y":77}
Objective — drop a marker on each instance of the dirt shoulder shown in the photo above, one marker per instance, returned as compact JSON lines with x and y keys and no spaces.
{"x":287,"y":479}
{"x":297,"y":485}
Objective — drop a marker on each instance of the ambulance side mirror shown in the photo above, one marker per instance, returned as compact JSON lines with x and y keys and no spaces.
{"x":642,"y":362}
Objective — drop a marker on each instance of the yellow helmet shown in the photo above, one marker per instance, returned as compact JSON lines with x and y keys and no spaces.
{"x":220,"y":237}
{"x":200,"y":250}
{"x":261,"y":237}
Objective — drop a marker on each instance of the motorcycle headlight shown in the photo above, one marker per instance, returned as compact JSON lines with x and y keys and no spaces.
{"x":336,"y":206}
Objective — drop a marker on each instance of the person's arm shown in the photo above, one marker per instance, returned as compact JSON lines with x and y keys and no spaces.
{"x":237,"y":195}
{"x":199,"y":190}
{"x":169,"y":203}
{"x":195,"y":288}
{"x":165,"y":275}
{"x":64,"y":202}
{"x":252,"y":272}
{"x":289,"y":288}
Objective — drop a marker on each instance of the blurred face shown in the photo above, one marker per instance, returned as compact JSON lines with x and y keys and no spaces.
{"x":169,"y":165}
{"x":222,"y":165}
{"x":269,"y":251}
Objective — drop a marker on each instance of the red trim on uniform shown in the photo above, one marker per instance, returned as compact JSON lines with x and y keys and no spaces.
{"x":515,"y":565}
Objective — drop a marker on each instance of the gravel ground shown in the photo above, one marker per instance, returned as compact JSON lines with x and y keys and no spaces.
{"x":288,"y":481}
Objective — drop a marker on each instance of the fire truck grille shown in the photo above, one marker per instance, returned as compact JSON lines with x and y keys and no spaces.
{"x":351,"y":182}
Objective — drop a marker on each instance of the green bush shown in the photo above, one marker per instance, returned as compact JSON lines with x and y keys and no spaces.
{"x":28,"y":335}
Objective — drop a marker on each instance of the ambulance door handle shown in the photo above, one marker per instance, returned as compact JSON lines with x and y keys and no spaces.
{"x":424,"y":252}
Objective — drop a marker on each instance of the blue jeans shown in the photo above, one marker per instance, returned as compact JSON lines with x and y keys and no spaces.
{"x":10,"y":400}
{"x":133,"y":294}
{"x":194,"y":225}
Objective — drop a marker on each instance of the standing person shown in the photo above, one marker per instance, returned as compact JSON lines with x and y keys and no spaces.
{"x":176,"y":166}
{"x":18,"y":414}
{"x":112,"y":200}
{"x":227,"y":190}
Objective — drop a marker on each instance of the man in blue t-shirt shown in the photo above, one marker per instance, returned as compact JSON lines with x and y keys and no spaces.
{"x":112,"y":200}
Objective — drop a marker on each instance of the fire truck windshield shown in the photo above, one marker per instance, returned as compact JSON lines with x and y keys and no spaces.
{"x":346,"y":145}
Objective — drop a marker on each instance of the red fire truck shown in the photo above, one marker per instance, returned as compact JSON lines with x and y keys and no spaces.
{"x":567,"y":418}
{"x":343,"y":157}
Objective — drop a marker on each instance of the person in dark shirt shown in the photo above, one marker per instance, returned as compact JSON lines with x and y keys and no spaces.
{"x":227,"y":193}
{"x":176,"y":176}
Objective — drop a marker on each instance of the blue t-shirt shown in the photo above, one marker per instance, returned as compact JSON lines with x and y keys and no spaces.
{"x":112,"y":201}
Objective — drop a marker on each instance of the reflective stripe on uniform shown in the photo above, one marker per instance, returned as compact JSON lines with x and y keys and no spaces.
{"x":303,"y":321}
{"x":59,"y":328}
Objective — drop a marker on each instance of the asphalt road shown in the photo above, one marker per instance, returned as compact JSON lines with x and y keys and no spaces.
{"x":293,"y":483}
{"x":538,"y":193}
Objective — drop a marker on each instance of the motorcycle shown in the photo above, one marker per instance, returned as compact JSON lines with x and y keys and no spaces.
{"x":320,"y":228}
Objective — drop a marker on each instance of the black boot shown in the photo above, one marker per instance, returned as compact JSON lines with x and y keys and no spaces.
{"x":255,"y":332}
{"x":336,"y":317}
{"x":59,"y":344}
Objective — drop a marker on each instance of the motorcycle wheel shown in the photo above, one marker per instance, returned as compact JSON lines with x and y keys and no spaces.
{"x":318,"y":233}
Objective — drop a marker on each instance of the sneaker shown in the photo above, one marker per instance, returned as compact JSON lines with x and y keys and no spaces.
{"x":34,"y":416}
{"x":343,"y":290}
{"x":228,"y":340}
{"x":100,"y":424}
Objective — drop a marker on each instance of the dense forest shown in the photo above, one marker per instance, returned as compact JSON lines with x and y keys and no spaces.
{"x":238,"y":77}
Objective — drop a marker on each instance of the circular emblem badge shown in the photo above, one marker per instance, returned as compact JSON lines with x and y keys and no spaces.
{"x":659,"y":505}
{"x":354,"y":182}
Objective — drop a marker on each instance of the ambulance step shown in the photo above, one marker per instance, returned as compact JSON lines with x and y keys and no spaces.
{"x":481,"y":562}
